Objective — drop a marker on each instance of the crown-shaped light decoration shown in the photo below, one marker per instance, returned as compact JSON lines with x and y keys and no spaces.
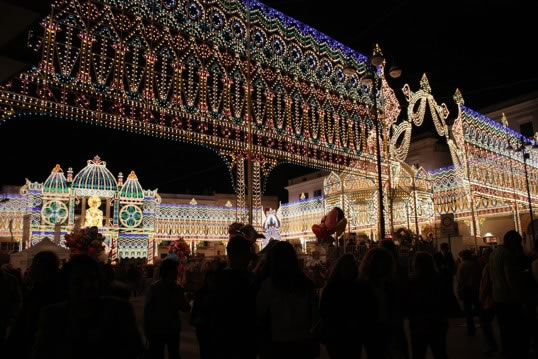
{"x":458,"y":97}
{"x":425,"y":84}
{"x":504,"y":120}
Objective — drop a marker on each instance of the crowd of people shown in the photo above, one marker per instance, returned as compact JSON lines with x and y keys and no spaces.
{"x":271,"y":304}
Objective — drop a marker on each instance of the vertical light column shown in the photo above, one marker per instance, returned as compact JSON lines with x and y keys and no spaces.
{"x":240,"y":190}
{"x":85,"y":57}
{"x":46,"y":65}
{"x":257,"y":195}
{"x":119,"y":66}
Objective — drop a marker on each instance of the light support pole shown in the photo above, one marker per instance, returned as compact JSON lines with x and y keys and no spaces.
{"x":371,"y":79}
{"x":415,"y":200}
{"x":471,"y":194}
{"x":516,"y":212}
{"x":525,"y":149}
{"x":250,"y":170}
{"x":526,"y":155}
{"x":381,"y":206}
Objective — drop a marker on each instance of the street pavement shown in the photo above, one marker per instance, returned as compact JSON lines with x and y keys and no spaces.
{"x":460,"y":346}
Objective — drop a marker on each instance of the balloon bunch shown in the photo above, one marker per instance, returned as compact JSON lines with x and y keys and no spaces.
{"x":333,"y":223}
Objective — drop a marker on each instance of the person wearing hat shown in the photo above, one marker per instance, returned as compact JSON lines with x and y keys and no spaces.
{"x":250,"y":233}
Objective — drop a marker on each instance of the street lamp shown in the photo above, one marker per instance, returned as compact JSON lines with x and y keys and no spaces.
{"x":372,"y":81}
{"x":525,"y":148}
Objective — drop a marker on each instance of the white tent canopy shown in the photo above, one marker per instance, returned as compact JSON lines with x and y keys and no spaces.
{"x":23,"y":259}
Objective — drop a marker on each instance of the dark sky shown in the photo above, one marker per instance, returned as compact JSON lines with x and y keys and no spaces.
{"x":485,"y":48}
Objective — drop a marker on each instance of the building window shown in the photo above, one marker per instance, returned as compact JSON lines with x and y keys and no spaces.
{"x":317,"y":193}
{"x":306,"y":195}
{"x":527,"y":129}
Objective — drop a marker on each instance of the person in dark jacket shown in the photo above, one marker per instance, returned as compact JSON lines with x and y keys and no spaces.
{"x":164,"y":300}
{"x":41,"y":290}
{"x":446,"y":267}
{"x":287,"y":308}
{"x":341,"y":310}
{"x":89,"y":325}
{"x":468,"y":286}
{"x":377,"y":277}
{"x":427,"y":309}
{"x":232,"y":301}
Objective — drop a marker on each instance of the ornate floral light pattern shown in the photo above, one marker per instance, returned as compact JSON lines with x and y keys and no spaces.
{"x":131,"y":216}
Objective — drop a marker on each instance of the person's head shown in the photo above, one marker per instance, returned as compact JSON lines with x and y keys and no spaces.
{"x":83,"y":279}
{"x":444,"y":247}
{"x":423,"y":265}
{"x":283,"y":265}
{"x":390,"y":247}
{"x":250,"y":233}
{"x":168,"y":270}
{"x":512,"y":240}
{"x":466,"y":255}
{"x":377,"y":265}
{"x":239,"y":253}
{"x":345,"y":269}
{"x":45,"y":267}
{"x":234,"y":229}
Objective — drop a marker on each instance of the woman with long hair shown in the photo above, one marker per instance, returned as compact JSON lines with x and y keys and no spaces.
{"x":377,"y":274}
{"x":427,"y":309}
{"x":340,"y":310}
{"x":286,"y":307}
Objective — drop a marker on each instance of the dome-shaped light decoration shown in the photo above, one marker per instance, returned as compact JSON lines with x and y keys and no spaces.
{"x":377,"y":58}
{"x":349,"y":70}
{"x":367,"y":80}
{"x":56,"y":182}
{"x":395,"y":71}
{"x":132,"y":188}
{"x":95,"y":180}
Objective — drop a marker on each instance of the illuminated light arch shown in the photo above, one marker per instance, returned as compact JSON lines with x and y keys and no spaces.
{"x":118,"y":65}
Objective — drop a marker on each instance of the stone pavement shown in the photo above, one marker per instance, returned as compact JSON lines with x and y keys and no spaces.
{"x":460,"y":346}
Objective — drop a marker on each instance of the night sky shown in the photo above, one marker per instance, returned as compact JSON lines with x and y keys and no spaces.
{"x":484,"y":48}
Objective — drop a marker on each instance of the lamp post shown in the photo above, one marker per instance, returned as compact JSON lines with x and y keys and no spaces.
{"x":525,"y":148}
{"x":516,"y":212}
{"x":371,"y":79}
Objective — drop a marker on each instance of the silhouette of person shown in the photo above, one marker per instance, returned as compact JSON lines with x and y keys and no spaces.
{"x":162,"y":323}
{"x":487,"y":312}
{"x":428,"y":323}
{"x":399,"y":285}
{"x":377,"y":273}
{"x":232,"y":303}
{"x":41,"y":290}
{"x":10,"y":302}
{"x":287,"y":308}
{"x":447,"y":269}
{"x":341,"y":310}
{"x":506,"y":274}
{"x":90,"y":326}
{"x":467,"y":287}
{"x":201,"y":317}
